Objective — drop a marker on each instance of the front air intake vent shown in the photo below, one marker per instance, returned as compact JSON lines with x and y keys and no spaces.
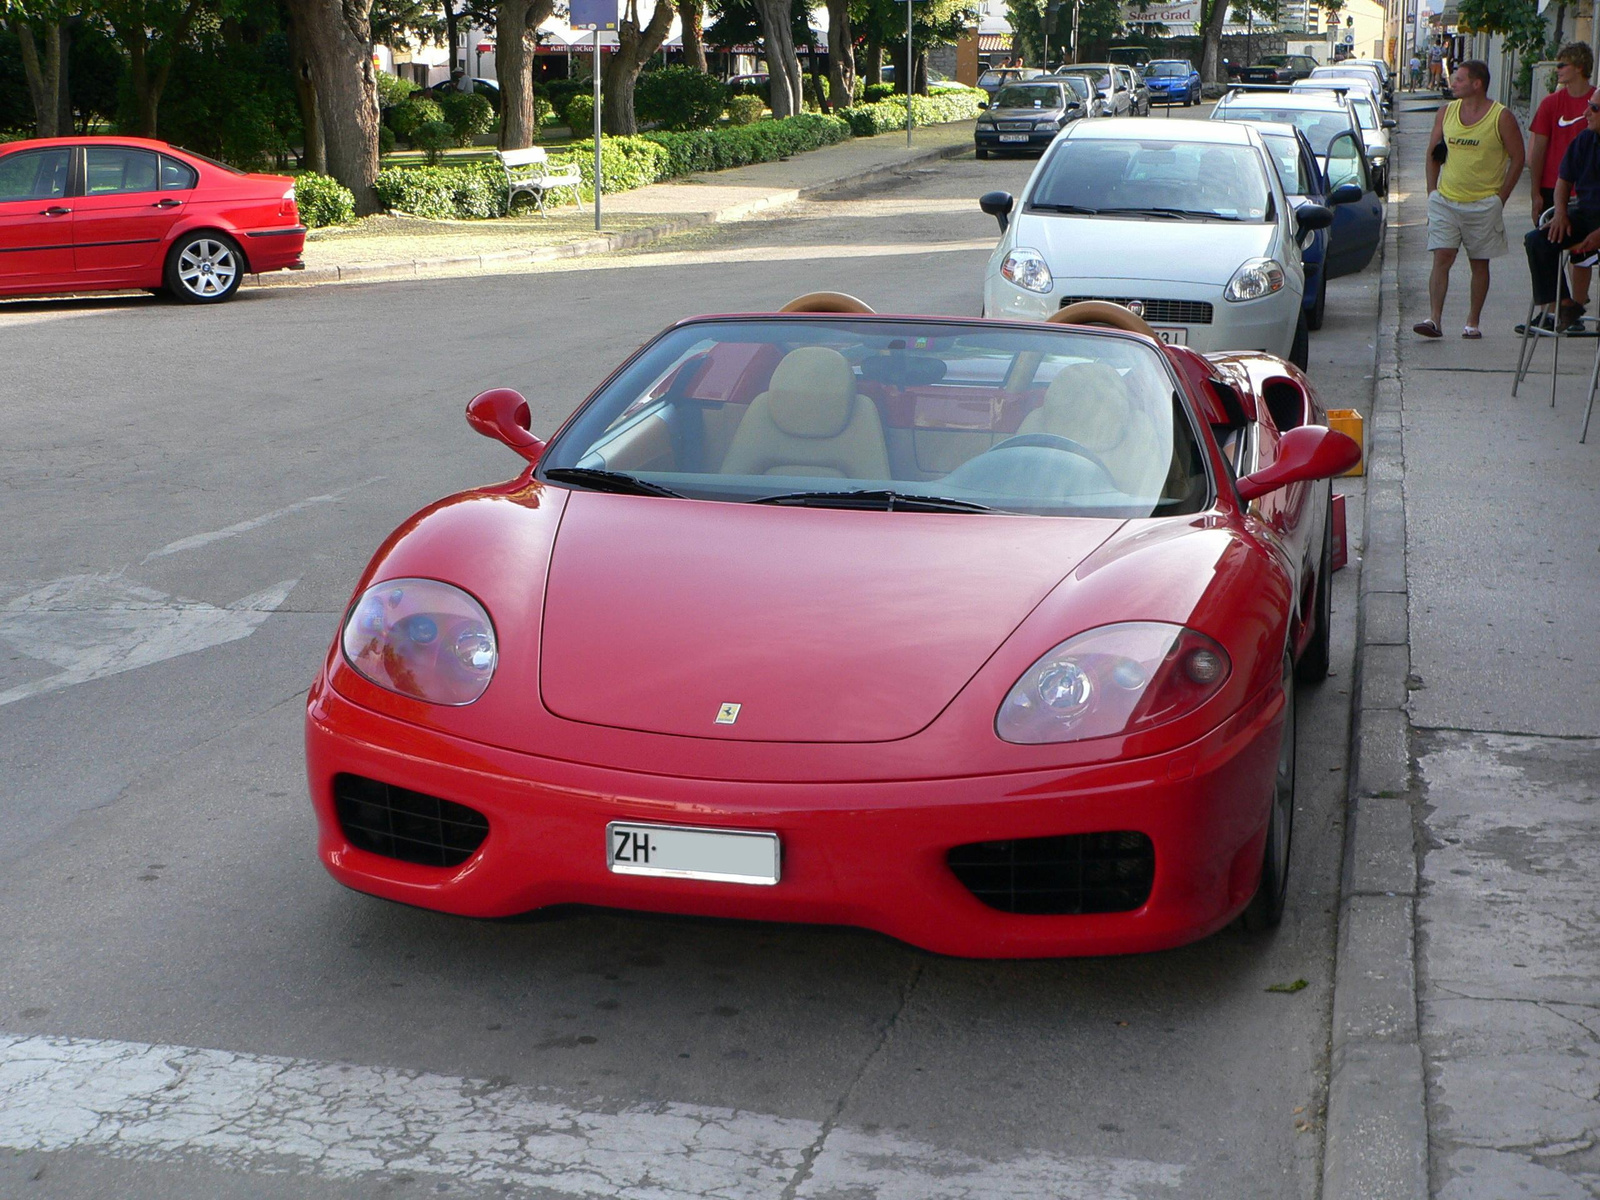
{"x":1059,"y":876}
{"x":1156,"y":311}
{"x":411,"y":826}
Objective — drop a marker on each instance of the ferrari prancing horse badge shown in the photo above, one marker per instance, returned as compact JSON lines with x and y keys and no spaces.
{"x":727,"y":714}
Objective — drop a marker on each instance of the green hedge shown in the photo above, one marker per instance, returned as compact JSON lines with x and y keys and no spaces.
{"x":745,"y":110}
{"x":868,"y":119}
{"x":479,"y":189}
{"x":679,"y":98}
{"x":323,"y":201}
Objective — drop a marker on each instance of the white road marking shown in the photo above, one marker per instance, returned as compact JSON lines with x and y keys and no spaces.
{"x":244,"y":1112}
{"x":216,"y":535}
{"x":92,"y":626}
{"x":806,"y":252}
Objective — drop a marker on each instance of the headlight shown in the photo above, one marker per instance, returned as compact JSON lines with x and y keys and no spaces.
{"x":1052,"y":124}
{"x":423,"y":639}
{"x":1027,"y":269}
{"x":985,"y":124}
{"x":1117,"y":679}
{"x":1257,"y":278}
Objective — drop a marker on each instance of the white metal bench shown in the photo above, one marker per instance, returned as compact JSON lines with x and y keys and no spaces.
{"x":529,"y":171}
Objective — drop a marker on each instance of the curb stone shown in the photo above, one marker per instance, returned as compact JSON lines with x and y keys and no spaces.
{"x":1376,"y":1142}
{"x":476,"y":264}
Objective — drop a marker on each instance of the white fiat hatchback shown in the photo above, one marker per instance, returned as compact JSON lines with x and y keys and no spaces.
{"x":1187,"y":224}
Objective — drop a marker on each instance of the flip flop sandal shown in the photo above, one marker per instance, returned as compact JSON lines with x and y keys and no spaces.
{"x":1471,"y":332}
{"x":1427,"y":329}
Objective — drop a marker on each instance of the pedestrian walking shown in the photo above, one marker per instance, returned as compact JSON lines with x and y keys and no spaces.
{"x":1475,"y":158}
{"x":1415,"y":67}
{"x":1435,"y":64}
{"x":1576,"y":224}
{"x":1558,"y":123}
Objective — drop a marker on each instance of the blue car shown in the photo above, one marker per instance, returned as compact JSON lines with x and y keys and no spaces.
{"x":1172,"y":81}
{"x":1359,"y":216}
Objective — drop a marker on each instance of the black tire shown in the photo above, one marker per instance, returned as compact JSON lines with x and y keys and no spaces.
{"x":1318,"y":654}
{"x":1300,"y":351}
{"x":1320,"y":309}
{"x":205,"y":267}
{"x":1265,"y":909}
{"x":982,"y":154}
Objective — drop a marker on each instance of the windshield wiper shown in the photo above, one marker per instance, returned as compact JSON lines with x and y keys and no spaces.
{"x":1067,"y":208}
{"x":598,"y":480}
{"x":881,"y":498}
{"x":1210,"y":214}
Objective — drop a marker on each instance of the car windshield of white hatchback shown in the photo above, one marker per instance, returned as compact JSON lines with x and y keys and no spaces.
{"x":1320,"y":126}
{"x":891,"y":415}
{"x":1152,"y":177}
{"x":1029,"y":95}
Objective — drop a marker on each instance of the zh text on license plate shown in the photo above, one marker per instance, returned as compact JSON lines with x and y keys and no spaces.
{"x":691,"y":852}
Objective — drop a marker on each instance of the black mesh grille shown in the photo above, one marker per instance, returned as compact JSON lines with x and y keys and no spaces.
{"x":1179,"y":312}
{"x":1073,"y":874}
{"x":407,"y":825}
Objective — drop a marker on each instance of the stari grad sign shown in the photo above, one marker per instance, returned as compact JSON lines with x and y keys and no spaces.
{"x":1166,"y":14}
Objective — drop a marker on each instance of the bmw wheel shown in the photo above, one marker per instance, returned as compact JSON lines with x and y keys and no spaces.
{"x":205,"y":268}
{"x":1266,"y":906}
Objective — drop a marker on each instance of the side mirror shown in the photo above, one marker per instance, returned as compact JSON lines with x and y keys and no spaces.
{"x":1345,"y":193}
{"x":1304,"y":453}
{"x":1310,"y":216}
{"x":1390,"y":123}
{"x":502,"y":414}
{"x":998,"y":205}
{"x":983,"y":104}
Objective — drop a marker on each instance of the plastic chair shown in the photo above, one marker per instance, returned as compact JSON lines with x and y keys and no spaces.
{"x":1532,"y":331}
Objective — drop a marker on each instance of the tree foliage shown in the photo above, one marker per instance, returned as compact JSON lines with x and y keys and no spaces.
{"x":1518,"y":21}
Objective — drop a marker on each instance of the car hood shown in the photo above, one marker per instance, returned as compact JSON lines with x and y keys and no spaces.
{"x":820,"y":625}
{"x":1025,"y":114}
{"x":1203,"y":252}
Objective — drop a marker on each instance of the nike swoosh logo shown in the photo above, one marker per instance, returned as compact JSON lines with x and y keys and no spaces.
{"x":1564,"y":124}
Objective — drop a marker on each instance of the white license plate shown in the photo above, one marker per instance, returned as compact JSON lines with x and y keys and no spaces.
{"x":1172,"y":335}
{"x":1013,"y":137}
{"x":690,"y":852}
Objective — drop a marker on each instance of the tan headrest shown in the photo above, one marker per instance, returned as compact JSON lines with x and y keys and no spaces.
{"x":812,"y":393}
{"x":1096,"y":399}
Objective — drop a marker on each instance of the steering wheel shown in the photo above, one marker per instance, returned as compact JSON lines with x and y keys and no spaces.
{"x":1102,"y":312}
{"x":826,"y":302}
{"x":1052,"y":441}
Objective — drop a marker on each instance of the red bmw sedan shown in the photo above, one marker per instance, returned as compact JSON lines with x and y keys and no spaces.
{"x":107,"y":213}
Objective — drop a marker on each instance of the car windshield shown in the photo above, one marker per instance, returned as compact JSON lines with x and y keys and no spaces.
{"x":1275,"y":60}
{"x":1320,"y":126}
{"x":1364,"y":112}
{"x":1291,"y":167}
{"x":1167,"y":68}
{"x":1077,"y":85}
{"x":1100,"y":79}
{"x":1153,"y":176}
{"x":889,"y":414}
{"x":1030,"y":95}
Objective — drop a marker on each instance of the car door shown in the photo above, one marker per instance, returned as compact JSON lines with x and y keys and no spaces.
{"x":123,"y":216}
{"x":1358,"y":226}
{"x":35,"y":216}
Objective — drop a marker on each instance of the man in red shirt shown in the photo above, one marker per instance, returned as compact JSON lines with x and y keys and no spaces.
{"x":1560,"y":119}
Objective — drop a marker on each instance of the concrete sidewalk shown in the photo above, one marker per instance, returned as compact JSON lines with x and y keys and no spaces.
{"x":1469,"y":985}
{"x":394,"y":247}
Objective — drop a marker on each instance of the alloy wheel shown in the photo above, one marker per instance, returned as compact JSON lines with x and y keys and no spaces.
{"x":207,"y":268}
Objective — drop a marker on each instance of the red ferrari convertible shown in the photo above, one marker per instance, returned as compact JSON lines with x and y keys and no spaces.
{"x":980,"y":633}
{"x":101,"y":214}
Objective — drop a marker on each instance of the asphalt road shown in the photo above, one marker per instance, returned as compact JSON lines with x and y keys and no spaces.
{"x":188,"y":496}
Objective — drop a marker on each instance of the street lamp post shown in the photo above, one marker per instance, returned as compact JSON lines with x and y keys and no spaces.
{"x":911,"y":55}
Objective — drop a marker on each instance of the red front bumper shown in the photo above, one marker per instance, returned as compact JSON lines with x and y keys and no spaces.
{"x":863,"y":854}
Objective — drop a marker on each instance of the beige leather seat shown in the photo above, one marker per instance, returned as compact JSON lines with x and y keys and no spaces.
{"x":1089,"y":403}
{"x":810,"y":421}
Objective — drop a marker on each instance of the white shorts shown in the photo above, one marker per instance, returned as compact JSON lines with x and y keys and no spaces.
{"x":1478,"y":227}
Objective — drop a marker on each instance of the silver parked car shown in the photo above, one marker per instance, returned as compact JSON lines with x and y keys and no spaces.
{"x":1186,"y":223}
{"x":1374,"y":125}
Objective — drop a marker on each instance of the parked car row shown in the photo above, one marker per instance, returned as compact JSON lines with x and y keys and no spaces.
{"x":1222,"y":234}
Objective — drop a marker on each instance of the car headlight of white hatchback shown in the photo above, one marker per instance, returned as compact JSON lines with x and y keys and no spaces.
{"x":1027,"y":269}
{"x":1256,"y":278}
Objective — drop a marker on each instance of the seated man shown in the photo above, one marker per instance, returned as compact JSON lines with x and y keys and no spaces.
{"x":1576,"y":224}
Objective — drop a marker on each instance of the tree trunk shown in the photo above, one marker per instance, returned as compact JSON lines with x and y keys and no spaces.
{"x":873,"y":71}
{"x":338,"y":45}
{"x":1211,"y":44}
{"x":64,"y":78}
{"x":841,"y":55}
{"x":147,"y":84}
{"x":694,"y":47}
{"x":902,"y":75}
{"x":783,"y":64}
{"x":452,"y":39}
{"x":635,"y":45}
{"x":313,"y":154}
{"x":515,"y":24}
{"x":44,"y":78}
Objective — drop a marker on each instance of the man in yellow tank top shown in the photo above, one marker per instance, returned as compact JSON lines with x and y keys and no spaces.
{"x":1467,"y":192}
